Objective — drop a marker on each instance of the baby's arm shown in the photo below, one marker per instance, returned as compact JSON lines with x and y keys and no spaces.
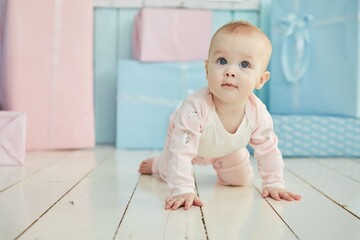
{"x":183,"y":148}
{"x":270,"y":161}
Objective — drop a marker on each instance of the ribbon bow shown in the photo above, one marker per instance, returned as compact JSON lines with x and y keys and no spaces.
{"x":294,"y":63}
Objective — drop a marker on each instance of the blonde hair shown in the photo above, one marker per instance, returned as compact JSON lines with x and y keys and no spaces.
{"x":238,"y":26}
{"x":244,"y":27}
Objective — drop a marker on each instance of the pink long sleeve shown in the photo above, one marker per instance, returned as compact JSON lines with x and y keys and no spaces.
{"x":183,"y":146}
{"x":265,"y":144}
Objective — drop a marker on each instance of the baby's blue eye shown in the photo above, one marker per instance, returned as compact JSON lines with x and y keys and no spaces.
{"x":222,"y":61}
{"x":244,"y":64}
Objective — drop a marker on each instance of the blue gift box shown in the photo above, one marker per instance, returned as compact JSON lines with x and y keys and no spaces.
{"x":316,"y":57}
{"x":317,"y":136}
{"x":147,"y":94}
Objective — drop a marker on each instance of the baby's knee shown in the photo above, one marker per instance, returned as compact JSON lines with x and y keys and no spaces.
{"x":235,"y":180}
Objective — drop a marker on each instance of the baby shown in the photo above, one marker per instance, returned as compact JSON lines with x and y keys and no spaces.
{"x":215,"y":124}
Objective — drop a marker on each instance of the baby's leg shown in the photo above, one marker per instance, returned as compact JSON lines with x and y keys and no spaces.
{"x":158,"y":165}
{"x":234,"y":169}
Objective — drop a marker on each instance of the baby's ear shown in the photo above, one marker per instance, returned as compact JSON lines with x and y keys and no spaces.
{"x":263,"y":79}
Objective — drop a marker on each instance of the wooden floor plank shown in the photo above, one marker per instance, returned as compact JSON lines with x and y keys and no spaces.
{"x":146,"y":217}
{"x":237,"y":212}
{"x":346,"y":167}
{"x":25,"y":202}
{"x":354,"y":160}
{"x":92,"y":209}
{"x":315,"y":216}
{"x":70,"y":168}
{"x":329,"y":182}
{"x":35,"y":162}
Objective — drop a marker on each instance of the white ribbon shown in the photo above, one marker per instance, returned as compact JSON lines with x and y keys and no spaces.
{"x":295,"y":29}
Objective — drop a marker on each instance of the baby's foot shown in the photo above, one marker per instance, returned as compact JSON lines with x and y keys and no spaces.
{"x":145,"y":166}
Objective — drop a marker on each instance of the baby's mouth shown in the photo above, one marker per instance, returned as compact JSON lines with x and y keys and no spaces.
{"x":229,"y":85}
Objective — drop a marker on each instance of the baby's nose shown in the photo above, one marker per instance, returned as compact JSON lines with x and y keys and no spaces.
{"x":230,"y":72}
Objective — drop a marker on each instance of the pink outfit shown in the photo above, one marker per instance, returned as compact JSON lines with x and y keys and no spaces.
{"x":196,"y":136}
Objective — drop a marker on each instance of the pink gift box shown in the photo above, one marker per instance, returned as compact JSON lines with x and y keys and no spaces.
{"x":171,"y":34}
{"x":48,"y":59}
{"x":12,"y":138}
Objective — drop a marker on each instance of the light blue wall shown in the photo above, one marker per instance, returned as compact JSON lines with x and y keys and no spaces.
{"x":106,"y":55}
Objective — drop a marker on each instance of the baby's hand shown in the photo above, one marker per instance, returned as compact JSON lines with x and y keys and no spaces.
{"x":186,"y":200}
{"x":279,"y":193}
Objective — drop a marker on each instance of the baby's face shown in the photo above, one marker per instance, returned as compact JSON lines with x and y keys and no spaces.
{"x":236,"y":64}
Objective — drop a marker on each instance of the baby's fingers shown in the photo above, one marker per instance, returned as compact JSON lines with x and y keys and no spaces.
{"x":198,"y":202}
{"x":188,"y":203}
{"x":265,"y":193}
{"x":174,"y":203}
{"x":294,"y":196}
{"x":169,"y":203}
{"x":289,"y":196}
{"x":275,"y":195}
{"x":285,"y":196}
{"x":186,"y":200}
{"x":178,"y":203}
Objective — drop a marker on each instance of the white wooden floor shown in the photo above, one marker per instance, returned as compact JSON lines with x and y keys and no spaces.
{"x":98,"y":194}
